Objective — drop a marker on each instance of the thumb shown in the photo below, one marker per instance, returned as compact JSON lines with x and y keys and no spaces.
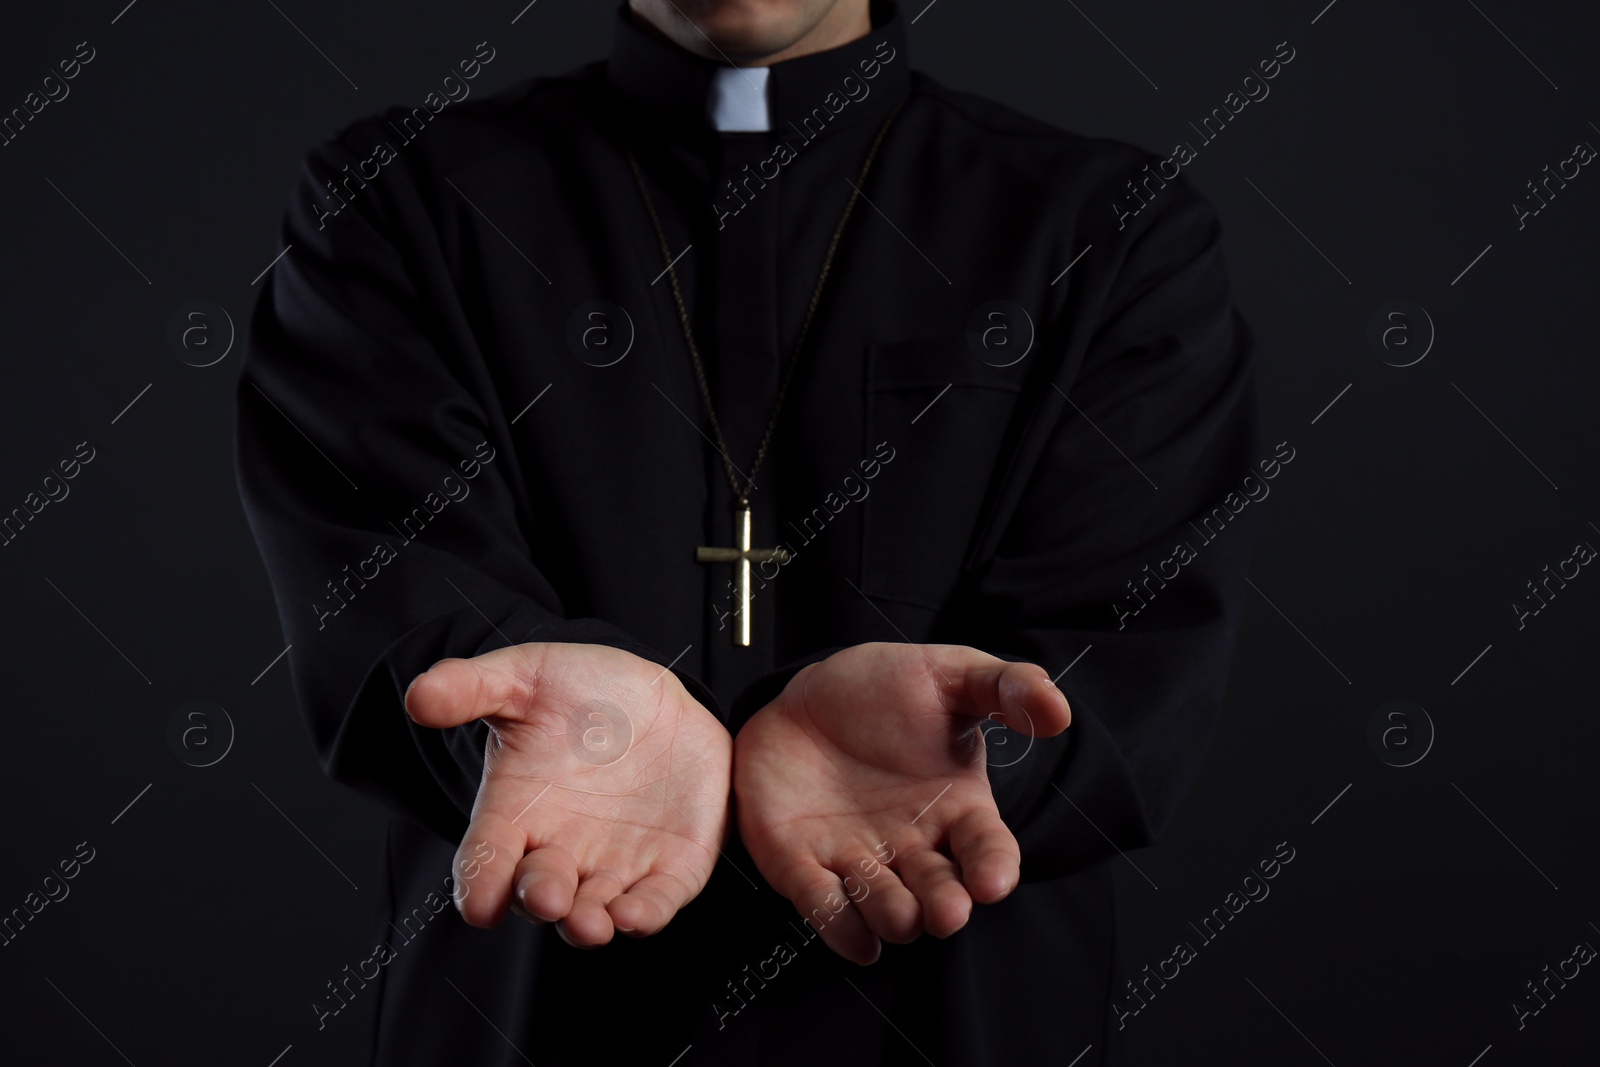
{"x":455,"y":691}
{"x":1018,"y":695}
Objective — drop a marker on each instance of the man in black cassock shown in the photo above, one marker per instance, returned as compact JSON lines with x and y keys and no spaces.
{"x":681,"y":481}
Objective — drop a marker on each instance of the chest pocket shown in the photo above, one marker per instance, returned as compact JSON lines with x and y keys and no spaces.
{"x":944,"y":413}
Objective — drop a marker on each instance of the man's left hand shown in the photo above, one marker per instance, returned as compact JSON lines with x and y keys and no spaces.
{"x":863,"y":794}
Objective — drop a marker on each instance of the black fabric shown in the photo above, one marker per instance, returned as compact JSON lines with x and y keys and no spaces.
{"x":924,"y":493}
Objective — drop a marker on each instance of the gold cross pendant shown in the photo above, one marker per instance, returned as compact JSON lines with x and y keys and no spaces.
{"x":741,"y":557}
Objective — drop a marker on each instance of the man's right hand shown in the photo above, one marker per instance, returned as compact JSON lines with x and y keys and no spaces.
{"x":604,"y":798}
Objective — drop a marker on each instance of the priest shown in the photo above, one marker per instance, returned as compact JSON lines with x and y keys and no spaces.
{"x":702,"y":492}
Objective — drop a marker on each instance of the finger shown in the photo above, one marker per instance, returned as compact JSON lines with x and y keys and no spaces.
{"x":588,"y":924}
{"x":890,"y":909}
{"x":990,"y":859}
{"x":820,"y":896}
{"x":936,"y":883}
{"x":1018,"y":695}
{"x":546,"y":880}
{"x":649,"y":904}
{"x":485,"y":864}
{"x":456,"y":691}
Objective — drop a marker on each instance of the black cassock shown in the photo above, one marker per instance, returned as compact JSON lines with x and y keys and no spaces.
{"x":468,"y":417}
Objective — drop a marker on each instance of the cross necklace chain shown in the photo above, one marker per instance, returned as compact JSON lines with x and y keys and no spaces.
{"x":742,"y":555}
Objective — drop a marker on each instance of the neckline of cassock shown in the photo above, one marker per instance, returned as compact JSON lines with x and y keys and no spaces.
{"x":673,"y":85}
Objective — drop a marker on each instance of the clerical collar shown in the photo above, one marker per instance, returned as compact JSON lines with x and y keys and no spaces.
{"x":738,"y":100}
{"x":862,"y":79}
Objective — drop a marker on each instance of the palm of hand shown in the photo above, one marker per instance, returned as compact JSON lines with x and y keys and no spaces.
{"x":865,"y":781}
{"x":589,"y":815}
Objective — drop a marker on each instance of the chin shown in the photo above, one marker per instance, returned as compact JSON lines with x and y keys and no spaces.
{"x":743,"y":29}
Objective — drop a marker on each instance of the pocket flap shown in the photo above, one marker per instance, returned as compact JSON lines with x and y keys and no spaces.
{"x":946,"y":359}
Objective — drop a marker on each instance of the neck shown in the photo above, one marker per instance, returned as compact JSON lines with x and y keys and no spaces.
{"x":843,"y":22}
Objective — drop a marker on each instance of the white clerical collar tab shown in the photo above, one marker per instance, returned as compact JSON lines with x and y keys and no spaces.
{"x":738,"y":100}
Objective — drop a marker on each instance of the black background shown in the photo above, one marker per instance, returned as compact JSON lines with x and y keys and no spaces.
{"x":1391,"y":549}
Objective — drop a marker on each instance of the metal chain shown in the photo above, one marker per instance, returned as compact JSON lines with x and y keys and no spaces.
{"x":743,"y":496}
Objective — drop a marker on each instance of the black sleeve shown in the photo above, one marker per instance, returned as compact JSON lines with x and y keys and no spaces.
{"x":377,"y":477}
{"x":1126,"y":552}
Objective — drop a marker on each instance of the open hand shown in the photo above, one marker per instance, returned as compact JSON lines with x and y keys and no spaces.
{"x":863,"y":795}
{"x":604,"y":798}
